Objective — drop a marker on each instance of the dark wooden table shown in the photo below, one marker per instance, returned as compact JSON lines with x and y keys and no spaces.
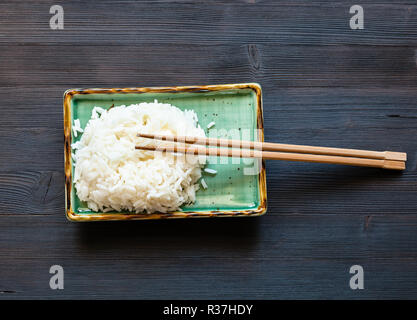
{"x":323,"y":84}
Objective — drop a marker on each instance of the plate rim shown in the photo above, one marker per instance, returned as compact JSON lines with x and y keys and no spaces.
{"x":72,"y":216}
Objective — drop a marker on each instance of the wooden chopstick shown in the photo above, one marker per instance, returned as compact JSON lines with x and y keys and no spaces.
{"x":268,"y":146}
{"x":246,"y":153}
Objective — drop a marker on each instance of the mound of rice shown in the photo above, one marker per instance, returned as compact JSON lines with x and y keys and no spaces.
{"x":110,"y":175}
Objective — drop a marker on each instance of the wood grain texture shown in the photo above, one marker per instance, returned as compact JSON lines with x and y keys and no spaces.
{"x":251,"y":258}
{"x":323,"y":84}
{"x":185,"y":22}
{"x":276,"y":65}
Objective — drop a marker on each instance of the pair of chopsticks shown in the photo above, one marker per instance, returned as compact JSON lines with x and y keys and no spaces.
{"x":277,"y":151}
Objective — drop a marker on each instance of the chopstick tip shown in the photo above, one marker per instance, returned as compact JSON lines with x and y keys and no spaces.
{"x":397,"y":156}
{"x":394,"y":165}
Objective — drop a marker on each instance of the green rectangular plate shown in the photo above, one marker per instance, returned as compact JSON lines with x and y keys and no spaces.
{"x":236,"y":110}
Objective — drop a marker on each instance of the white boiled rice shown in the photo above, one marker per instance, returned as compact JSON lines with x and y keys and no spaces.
{"x":77,"y":127}
{"x":111,"y":175}
{"x":203,"y":183}
{"x":211,"y":171}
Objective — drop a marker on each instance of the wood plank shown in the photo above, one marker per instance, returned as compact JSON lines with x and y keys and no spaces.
{"x":300,"y":22}
{"x":352,"y":118}
{"x":34,"y":148}
{"x":275,"y":65}
{"x":31,"y":192}
{"x":292,"y":189}
{"x":300,"y":109}
{"x":286,"y":256}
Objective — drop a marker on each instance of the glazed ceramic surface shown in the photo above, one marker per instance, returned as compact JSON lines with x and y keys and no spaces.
{"x":238,"y":188}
